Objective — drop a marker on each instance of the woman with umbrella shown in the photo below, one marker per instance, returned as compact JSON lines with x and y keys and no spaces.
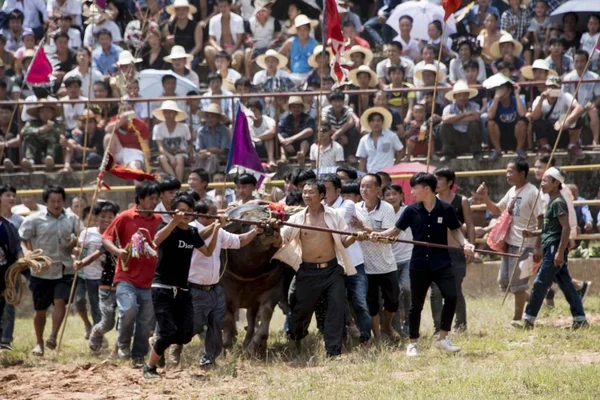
{"x":467,"y":49}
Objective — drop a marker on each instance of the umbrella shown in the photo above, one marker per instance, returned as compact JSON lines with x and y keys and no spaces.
{"x":423,"y":13}
{"x":279,"y":10}
{"x":151,"y":83}
{"x":583,"y":9}
{"x":407,"y":168}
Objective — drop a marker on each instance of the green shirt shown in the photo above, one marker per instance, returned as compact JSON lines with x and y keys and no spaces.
{"x":552,"y":230}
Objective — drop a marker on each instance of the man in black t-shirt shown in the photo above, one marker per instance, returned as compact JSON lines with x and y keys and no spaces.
{"x":171,"y":299}
{"x":430,"y":220}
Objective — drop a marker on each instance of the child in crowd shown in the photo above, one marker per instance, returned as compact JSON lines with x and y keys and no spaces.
{"x":538,"y":27}
{"x":417,"y":132}
{"x":589,"y":40}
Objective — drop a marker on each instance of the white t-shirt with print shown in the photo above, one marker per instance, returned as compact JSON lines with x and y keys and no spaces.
{"x":562,"y":106}
{"x":522,"y":209}
{"x":174,"y":142}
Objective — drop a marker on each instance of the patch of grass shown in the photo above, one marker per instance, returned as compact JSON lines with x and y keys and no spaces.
{"x":496,"y":362}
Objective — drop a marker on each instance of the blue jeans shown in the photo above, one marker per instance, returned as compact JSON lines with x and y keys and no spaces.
{"x":210,"y":307}
{"x":7,"y":322}
{"x":135,"y":313}
{"x":404,"y":298}
{"x":548,"y":274}
{"x":372,"y":25}
{"x":356,"y":285}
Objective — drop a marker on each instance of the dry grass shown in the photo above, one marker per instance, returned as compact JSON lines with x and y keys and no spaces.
{"x":496,"y":363}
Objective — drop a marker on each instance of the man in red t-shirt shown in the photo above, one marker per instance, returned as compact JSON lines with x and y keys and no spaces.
{"x":130,"y":145}
{"x":133,"y":282}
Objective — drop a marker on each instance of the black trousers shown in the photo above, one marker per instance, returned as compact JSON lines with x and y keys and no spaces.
{"x":420,"y":280}
{"x":174,"y":316}
{"x":390,"y":292}
{"x":310,"y":284}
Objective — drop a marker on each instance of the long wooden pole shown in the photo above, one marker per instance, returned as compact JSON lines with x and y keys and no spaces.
{"x":431,"y":141}
{"x":391,"y":239}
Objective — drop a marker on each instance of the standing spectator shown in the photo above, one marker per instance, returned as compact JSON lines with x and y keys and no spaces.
{"x":379,"y":22}
{"x":299,"y":48}
{"x":85,"y":72}
{"x":179,"y":60}
{"x":296,"y":130}
{"x":549,"y":111}
{"x":97,"y":22}
{"x":272,"y":76}
{"x":106,"y":55}
{"x":538,"y":27}
{"x":32,"y":11}
{"x":466,"y":48}
{"x":380,"y":147}
{"x":558,"y":60}
{"x":225,"y":33}
{"x":183,"y":31}
{"x":393,"y":51}
{"x":41,"y":136}
{"x":54,"y":231}
{"x":507,"y":125}
{"x":521,"y":202}
{"x":212,"y":142}
{"x":329,"y":153}
{"x":262,"y":132}
{"x":461,"y":117}
{"x":173,"y":138}
{"x":478,"y":13}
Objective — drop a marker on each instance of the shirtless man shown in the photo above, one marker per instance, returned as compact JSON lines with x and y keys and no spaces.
{"x":225,"y":33}
{"x":320,"y":268}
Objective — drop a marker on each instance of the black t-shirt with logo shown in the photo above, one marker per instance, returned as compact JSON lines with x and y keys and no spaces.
{"x":175,"y":256}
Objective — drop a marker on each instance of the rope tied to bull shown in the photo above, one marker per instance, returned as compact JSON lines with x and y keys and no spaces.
{"x":34,"y":260}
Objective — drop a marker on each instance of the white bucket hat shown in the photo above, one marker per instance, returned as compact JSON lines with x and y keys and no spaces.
{"x":260,"y":60}
{"x":506,"y":38}
{"x":302,"y":20}
{"x":527,"y":70}
{"x":181,"y":3}
{"x":353,"y":75}
{"x":461,"y":87}
{"x":169,"y":105}
{"x":126,"y":58}
{"x":178,"y":52}
{"x":312,"y":60}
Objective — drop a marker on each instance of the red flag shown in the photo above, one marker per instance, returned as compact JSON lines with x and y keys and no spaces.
{"x":334,"y":37}
{"x":450,"y":7}
{"x":40,"y":69}
{"x":125,"y":172}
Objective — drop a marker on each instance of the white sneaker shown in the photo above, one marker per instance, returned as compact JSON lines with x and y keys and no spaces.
{"x":412,"y":350}
{"x":446,"y":344}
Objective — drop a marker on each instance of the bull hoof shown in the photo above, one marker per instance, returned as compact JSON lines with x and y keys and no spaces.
{"x":257,"y":349}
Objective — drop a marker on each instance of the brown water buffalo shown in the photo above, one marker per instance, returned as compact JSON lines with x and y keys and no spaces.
{"x":251,"y":281}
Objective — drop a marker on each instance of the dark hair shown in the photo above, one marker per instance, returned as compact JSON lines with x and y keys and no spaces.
{"x":318,"y":183}
{"x":16,"y":14}
{"x":385,"y":175}
{"x":294,"y":198}
{"x":334,"y":179}
{"x":223,"y":54}
{"x":245,"y":179}
{"x":105,"y":206}
{"x":348,"y":23}
{"x":72,"y":80}
{"x":48,"y":190}
{"x":424,"y":179}
{"x":194,"y":195}
{"x":471,"y":64}
{"x":224,"y":1}
{"x":85,"y":50}
{"x":397,"y":45}
{"x":103,"y":31}
{"x":396,"y":68}
{"x":182,"y":197}
{"x":203,"y":206}
{"x":351,"y":187}
{"x":348,"y":170}
{"x":392,"y":186}
{"x":104,"y":84}
{"x":570,"y":14}
{"x":582,"y":52}
{"x":85,"y":212}
{"x":377,"y":178}
{"x":61,"y":34}
{"x":243,"y":81}
{"x":3,"y":85}
{"x":437,"y":24}
{"x":214,"y":76}
{"x":303,"y":175}
{"x":521,"y":165}
{"x":447,"y":173}
{"x":428,"y":46}
{"x":256,"y":103}
{"x":169,"y":183}
{"x":503,"y":65}
{"x":545,"y":158}
{"x":372,"y":115}
{"x":167,"y":77}
{"x":491,"y":15}
{"x":192,"y":93}
{"x":556,"y":40}
{"x":287,"y":176}
{"x":7,"y":187}
{"x":202,"y":174}
{"x":145,"y":189}
{"x":408,"y":17}
{"x":336,"y":95}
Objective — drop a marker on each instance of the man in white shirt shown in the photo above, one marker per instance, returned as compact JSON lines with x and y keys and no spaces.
{"x":381,"y":147}
{"x":72,"y":111}
{"x":31,"y":9}
{"x":208,"y":296}
{"x":215,"y":88}
{"x":225,"y":33}
{"x":393,"y":51}
{"x":263,"y":132}
{"x":331,"y":152}
{"x":589,"y":92}
{"x":62,"y":8}
{"x":89,"y":36}
{"x":64,"y":25}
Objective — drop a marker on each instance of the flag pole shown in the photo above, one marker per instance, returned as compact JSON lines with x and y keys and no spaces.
{"x":320,"y":98}
{"x":433,"y":102}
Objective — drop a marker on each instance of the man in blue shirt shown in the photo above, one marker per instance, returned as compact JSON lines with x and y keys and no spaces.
{"x":430,"y":220}
{"x":105,"y":56}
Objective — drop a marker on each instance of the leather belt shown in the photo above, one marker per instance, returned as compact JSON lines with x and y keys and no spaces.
{"x":206,"y":288}
{"x":175,"y":289}
{"x":330,"y":263}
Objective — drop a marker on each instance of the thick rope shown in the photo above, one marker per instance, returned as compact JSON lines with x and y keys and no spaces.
{"x":35,"y":261}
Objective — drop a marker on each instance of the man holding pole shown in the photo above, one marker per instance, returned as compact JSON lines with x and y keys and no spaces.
{"x":429,"y":220}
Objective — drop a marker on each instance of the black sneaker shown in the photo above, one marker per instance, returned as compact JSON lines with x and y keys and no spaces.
{"x":205,"y":363}
{"x":584,"y":290}
{"x":5,"y":346}
{"x":150,"y":372}
{"x":137,"y":362}
{"x":580,"y":325}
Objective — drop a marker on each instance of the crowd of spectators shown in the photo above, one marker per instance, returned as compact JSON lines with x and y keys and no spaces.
{"x":123,"y":50}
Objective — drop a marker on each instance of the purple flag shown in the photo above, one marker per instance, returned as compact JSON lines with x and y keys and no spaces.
{"x":242,"y":152}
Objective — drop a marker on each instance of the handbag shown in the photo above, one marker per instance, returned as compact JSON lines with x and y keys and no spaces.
{"x":495,"y":239}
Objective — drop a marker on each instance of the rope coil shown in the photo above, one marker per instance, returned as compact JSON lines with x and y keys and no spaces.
{"x":34,"y":260}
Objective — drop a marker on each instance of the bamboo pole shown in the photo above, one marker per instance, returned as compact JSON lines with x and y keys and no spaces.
{"x":431,"y":141}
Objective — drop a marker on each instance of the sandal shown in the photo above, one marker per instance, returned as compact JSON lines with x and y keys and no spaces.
{"x":38,"y":351}
{"x":51,"y":343}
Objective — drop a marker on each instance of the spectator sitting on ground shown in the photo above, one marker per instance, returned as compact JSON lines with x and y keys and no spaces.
{"x":73,"y":143}
{"x":263,"y":132}
{"x":106,"y":55}
{"x":549,"y":112}
{"x":507,"y":125}
{"x":358,"y":56}
{"x":362,"y":78}
{"x":393,"y":51}
{"x":380,"y":147}
{"x":329,"y":153}
{"x":272,"y":76}
{"x":41,"y":136}
{"x":296,"y":131}
{"x":215,"y":83}
{"x":181,"y":30}
{"x":319,"y":61}
{"x":212,"y":141}
{"x":507,"y":50}
{"x":300,"y":47}
{"x":343,"y":122}
{"x":467,"y":49}
{"x":263,"y":32}
{"x":179,"y":61}
{"x":417,"y":133}
{"x":225,"y":33}
{"x":173,"y":138}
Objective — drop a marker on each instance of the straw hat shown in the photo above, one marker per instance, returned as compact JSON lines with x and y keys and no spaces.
{"x":176,"y":53}
{"x":29,"y":53}
{"x":387,"y":117}
{"x":527,"y":71}
{"x":169,"y":105}
{"x":496,"y":80}
{"x":359,"y":49}
{"x":213,"y":109}
{"x":181,"y":3}
{"x":34,"y":110}
{"x":88,"y":115}
{"x":353,"y":75}
{"x":302,"y":20}
{"x":126,"y":58}
{"x":432,"y":68}
{"x":312,"y":60}
{"x":461,"y":86}
{"x":507,"y":38}
{"x":297,"y":100}
{"x":260,"y":60}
